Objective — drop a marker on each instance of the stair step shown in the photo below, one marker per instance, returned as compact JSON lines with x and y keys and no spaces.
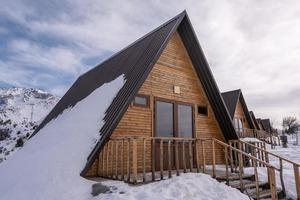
{"x":262,"y":194}
{"x":234,"y":176}
{"x":247,"y":184}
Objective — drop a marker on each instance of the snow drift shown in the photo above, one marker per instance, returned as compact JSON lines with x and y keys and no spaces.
{"x":48,"y":167}
{"x":186,"y":186}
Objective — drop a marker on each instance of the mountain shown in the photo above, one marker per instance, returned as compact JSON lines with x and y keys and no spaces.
{"x":21,"y":110}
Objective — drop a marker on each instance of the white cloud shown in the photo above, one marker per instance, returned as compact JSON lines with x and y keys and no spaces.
{"x":252,"y":45}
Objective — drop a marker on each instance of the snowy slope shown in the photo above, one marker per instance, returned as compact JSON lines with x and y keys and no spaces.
{"x":186,"y":186}
{"x":16,"y":107}
{"x":48,"y":167}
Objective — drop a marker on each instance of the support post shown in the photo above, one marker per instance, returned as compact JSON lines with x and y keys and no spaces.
{"x":213,"y":159}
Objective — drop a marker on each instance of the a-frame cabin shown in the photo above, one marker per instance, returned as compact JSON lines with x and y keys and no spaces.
{"x":178,"y":98}
{"x":169,"y":102}
{"x":239,"y":113}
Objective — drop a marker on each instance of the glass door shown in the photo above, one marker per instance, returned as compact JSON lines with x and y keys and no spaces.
{"x":173,"y":119}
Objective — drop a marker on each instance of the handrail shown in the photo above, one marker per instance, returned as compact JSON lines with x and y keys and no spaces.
{"x":246,"y":154}
{"x":270,"y":153}
{"x":296,"y":166}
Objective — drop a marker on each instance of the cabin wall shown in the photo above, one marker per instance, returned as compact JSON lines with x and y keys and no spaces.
{"x":174,"y":67}
{"x":239,"y":113}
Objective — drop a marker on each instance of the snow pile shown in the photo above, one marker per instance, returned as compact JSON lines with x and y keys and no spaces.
{"x":250,"y":139}
{"x":48,"y":166}
{"x":16,"y":106}
{"x":186,"y":186}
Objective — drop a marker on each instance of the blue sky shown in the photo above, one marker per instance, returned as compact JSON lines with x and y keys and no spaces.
{"x":252,"y":45}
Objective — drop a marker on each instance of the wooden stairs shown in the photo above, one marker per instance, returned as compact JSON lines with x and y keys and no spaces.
{"x":248,"y":185}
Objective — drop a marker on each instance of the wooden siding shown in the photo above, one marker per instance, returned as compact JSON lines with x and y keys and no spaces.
{"x":174,"y":68}
{"x":239,"y":113}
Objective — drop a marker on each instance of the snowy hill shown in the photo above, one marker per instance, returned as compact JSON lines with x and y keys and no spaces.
{"x":21,"y":110}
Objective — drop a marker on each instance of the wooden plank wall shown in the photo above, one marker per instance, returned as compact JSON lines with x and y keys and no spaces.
{"x":174,"y":67}
{"x":239,"y":113}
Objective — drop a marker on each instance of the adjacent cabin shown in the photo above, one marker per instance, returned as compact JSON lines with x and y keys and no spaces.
{"x":254,"y":121}
{"x":239,"y":113}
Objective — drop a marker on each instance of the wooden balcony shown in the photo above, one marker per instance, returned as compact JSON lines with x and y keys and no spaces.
{"x":259,"y":134}
{"x":147,"y":159}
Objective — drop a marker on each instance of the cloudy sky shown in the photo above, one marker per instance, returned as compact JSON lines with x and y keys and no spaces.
{"x":252,"y":45}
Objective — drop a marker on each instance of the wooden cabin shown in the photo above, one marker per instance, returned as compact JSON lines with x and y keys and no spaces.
{"x":167,"y":113}
{"x":174,"y":103}
{"x":239,"y":113}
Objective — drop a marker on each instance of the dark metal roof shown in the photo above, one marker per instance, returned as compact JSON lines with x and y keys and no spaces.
{"x":231,"y":99}
{"x":266,"y":125}
{"x":253,"y":119}
{"x":135,"y":62}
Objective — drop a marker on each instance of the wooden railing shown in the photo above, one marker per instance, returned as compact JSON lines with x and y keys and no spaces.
{"x":262,"y":153}
{"x":246,"y":132}
{"x":133,"y":159}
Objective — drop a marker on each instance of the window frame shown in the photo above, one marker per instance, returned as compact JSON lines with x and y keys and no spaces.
{"x":147,"y":97}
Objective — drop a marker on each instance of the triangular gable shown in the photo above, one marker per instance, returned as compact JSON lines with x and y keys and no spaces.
{"x":135,"y":62}
{"x":266,"y":125}
{"x":232,"y":98}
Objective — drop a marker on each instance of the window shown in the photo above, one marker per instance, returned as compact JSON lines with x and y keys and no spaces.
{"x":185,"y":121}
{"x":164,"y":119}
{"x":141,"y":100}
{"x":202,"y":110}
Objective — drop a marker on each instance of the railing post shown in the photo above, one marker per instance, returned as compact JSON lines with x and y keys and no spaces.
{"x":281,"y":176}
{"x":128,"y":160}
{"x":176,"y":158}
{"x":183,"y":157}
{"x":272,"y":183}
{"x":213,"y":158}
{"x":190,"y":156}
{"x":256,"y":179}
{"x":122,"y":160}
{"x":161,"y":159}
{"x":231,"y":156}
{"x":197,"y":155}
{"x":241,"y":168}
{"x":203,"y":155}
{"x":134,"y":160}
{"x":297,"y":179}
{"x":153,"y":159}
{"x":226,"y":165}
{"x":144,"y":160}
{"x":169,"y":159}
{"x":116,"y":156}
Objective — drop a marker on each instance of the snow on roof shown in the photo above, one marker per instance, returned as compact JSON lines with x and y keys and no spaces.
{"x":186,"y":186}
{"x":48,"y":167}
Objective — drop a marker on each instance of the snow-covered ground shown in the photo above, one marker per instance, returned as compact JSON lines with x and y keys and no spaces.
{"x":186,"y":186}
